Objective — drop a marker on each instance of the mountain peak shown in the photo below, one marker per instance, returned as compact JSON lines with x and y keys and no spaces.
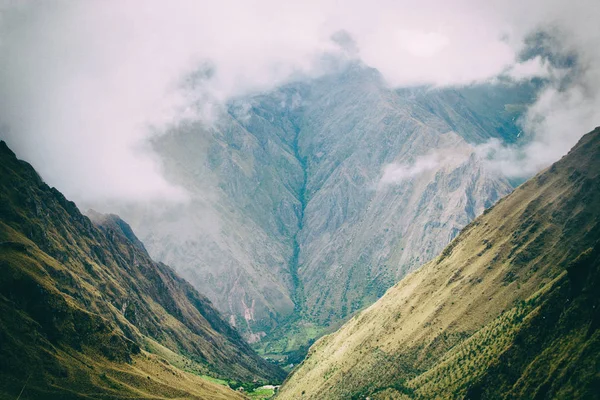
{"x":5,"y":149}
{"x":112,"y":222}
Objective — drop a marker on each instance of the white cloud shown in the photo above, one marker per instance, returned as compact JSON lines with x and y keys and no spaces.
{"x":569,"y":106}
{"x":555,"y":123}
{"x":535,"y":67}
{"x":82,"y":82}
{"x":451,"y":157}
{"x":396,"y":173}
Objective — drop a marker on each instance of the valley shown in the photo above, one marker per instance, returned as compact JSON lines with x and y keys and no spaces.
{"x":508,"y":310}
{"x":291,"y":229}
{"x":316,"y":200}
{"x":85,"y":310}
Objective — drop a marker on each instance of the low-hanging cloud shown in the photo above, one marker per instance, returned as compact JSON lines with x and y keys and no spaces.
{"x":85,"y":84}
{"x":396,"y":173}
{"x":569,"y":105}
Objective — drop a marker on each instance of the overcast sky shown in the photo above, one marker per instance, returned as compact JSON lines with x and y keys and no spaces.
{"x":83,"y":82}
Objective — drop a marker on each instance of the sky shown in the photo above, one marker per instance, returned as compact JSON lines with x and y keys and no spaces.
{"x":85,"y":84}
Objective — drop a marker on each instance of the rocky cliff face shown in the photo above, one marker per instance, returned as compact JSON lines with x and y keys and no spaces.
{"x":510,"y":309}
{"x":83,"y":302}
{"x":297,"y":214}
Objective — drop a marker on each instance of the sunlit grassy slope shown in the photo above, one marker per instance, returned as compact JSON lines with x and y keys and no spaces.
{"x":85,"y":312}
{"x":510,"y":309}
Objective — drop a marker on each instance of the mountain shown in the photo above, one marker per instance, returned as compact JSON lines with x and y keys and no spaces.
{"x":290,"y":230}
{"x":510,"y":309}
{"x":85,"y":311}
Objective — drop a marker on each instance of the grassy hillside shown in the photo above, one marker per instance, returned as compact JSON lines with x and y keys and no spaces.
{"x":83,"y":307}
{"x":510,"y":309}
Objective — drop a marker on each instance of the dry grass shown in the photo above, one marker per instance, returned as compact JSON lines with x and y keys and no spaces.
{"x":79,"y":304}
{"x":441,"y":327}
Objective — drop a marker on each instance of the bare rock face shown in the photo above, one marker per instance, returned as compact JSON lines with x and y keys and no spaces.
{"x":310,"y":201}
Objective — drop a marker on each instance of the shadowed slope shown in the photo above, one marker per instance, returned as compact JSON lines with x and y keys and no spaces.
{"x":80,"y":300}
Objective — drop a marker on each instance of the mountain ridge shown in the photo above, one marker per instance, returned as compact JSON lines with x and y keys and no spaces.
{"x":507,"y":310}
{"x":281,"y":183}
{"x":87,"y":297}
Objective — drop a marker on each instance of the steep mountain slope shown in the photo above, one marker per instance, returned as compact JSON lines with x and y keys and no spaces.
{"x":510,"y":309}
{"x":83,"y":306}
{"x":479,"y":112}
{"x":364,"y":235}
{"x":235,"y":238}
{"x":287,"y":199}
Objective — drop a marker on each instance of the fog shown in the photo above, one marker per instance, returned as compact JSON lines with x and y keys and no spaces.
{"x":85,"y":84}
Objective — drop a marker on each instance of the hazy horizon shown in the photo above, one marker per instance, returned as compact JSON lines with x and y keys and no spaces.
{"x":86,"y":84}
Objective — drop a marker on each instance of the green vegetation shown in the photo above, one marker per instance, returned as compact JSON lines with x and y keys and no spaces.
{"x":261,"y":393}
{"x":289,"y":344}
{"x":509,"y":310}
{"x":83,"y":308}
{"x":215,"y":380}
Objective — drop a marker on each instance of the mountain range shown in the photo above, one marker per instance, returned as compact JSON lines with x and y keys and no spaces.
{"x":86,"y":313}
{"x":309,"y":202}
{"x":509,"y":309}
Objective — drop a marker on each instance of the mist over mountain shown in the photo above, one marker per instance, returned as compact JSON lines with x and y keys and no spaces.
{"x":508,"y":310}
{"x":86,"y":310}
{"x":85,"y":82}
{"x":301,"y":213}
{"x":286,"y":168}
